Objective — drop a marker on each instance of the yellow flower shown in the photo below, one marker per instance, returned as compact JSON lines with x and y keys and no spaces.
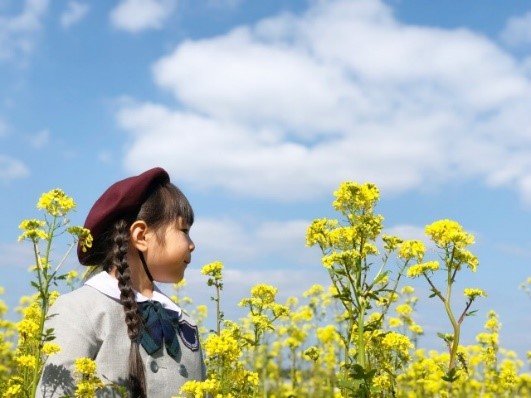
{"x":446,"y":232}
{"x":419,"y":269}
{"x":397,"y":342}
{"x":83,"y":236}
{"x":314,"y":290}
{"x":13,"y":391}
{"x":202,"y":310}
{"x":27,"y":328}
{"x":213,"y":269}
{"x":472,"y":293}
{"x":71,"y":275}
{"x":305,"y":313}
{"x":50,"y":348}
{"x":85,"y":366}
{"x":508,"y":374}
{"x":327,"y":334}
{"x":265,"y":292}
{"x":382,"y":381}
{"x":404,"y":309}
{"x":33,"y":230}
{"x":56,"y":202}
{"x":312,"y":353}
{"x":27,"y":361}
{"x":394,"y":322}
{"x":350,"y":194}
{"x":487,"y":338}
{"x":416,"y":329}
{"x":411,"y":249}
{"x":407,"y":290}
{"x":319,"y":231}
{"x":391,"y":242}
{"x":223,"y":345}
{"x":88,"y":388}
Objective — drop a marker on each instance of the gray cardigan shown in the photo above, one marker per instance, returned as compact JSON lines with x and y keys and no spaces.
{"x":90,"y":324}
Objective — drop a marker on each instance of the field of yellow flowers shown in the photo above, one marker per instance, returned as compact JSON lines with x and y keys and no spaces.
{"x":356,"y":337}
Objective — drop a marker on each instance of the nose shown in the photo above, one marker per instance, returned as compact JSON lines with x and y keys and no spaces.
{"x":191,"y":244}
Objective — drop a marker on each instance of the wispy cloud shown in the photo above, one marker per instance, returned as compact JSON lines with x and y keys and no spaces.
{"x":11,"y":168}
{"x":39,"y":140}
{"x":517,"y":30}
{"x":74,"y":13}
{"x":18,"y":33}
{"x":293,"y":105}
{"x":234,"y":243}
{"x":138,"y":15}
{"x":16,"y":255}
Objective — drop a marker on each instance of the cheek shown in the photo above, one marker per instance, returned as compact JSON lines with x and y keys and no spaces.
{"x":168,"y":271}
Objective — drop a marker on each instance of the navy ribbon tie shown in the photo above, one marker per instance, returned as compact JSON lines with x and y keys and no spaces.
{"x":161,"y":326}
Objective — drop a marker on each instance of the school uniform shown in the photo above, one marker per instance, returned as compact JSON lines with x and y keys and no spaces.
{"x":90,"y":322}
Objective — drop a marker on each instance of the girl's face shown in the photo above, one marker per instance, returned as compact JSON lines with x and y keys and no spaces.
{"x":169,"y":253}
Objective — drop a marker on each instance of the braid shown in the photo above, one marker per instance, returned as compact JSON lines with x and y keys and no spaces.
{"x":133,"y":319}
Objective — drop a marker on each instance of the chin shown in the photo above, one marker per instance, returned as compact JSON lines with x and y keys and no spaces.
{"x":170,"y":279}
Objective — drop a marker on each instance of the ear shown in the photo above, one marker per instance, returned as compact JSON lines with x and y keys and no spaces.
{"x":138,"y":232}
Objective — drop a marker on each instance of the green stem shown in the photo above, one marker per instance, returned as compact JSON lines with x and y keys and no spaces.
{"x":455,"y":324}
{"x":218,"y":310}
{"x":293,"y":377}
{"x":361,"y":337}
{"x":43,"y":279}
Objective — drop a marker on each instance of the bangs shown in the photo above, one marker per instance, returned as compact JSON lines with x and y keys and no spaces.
{"x":166,"y":205}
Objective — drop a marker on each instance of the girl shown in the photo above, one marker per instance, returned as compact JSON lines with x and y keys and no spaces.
{"x":137,"y":336}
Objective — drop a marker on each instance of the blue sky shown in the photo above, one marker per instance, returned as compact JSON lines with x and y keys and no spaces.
{"x":259,"y":109}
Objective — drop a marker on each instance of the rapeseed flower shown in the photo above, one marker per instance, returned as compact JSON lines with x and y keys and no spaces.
{"x":50,"y":348}
{"x":213,"y":270}
{"x":448,"y":232}
{"x":27,"y":361}
{"x":88,"y":383}
{"x":361,"y":196}
{"x":13,"y":391}
{"x":33,"y":230}
{"x":472,"y":293}
{"x":56,"y":202}
{"x":412,"y":249}
{"x":417,"y":270}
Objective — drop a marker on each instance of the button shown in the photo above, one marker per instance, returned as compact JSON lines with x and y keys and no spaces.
{"x":154,"y":366}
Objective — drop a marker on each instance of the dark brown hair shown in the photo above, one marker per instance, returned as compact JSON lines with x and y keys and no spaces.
{"x":165,"y":204}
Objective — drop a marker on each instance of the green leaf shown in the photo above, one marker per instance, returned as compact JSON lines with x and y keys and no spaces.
{"x":370,"y":374}
{"x":451,"y":376}
{"x":471,"y":313}
{"x":381,"y":276}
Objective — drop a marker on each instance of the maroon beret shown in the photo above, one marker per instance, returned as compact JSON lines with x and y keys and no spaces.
{"x":123,"y":198}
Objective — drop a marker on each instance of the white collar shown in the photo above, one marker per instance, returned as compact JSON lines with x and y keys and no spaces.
{"x":108,"y":285}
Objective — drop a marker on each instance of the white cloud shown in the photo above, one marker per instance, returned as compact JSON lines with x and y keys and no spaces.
{"x":229,"y":241}
{"x":39,"y":139}
{"x":407,"y":232}
{"x":221,"y":240}
{"x":11,"y":168}
{"x":75,"y":11}
{"x":237,"y":285}
{"x":139,"y":15}
{"x":105,"y":156}
{"x":16,"y":255}
{"x":293,"y":105}
{"x":517,"y":30}
{"x":18,"y":33}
